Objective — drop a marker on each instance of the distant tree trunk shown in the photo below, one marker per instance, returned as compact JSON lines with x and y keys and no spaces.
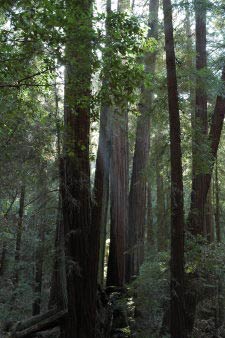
{"x":209,"y":231}
{"x":138,"y":185}
{"x":118,"y":189}
{"x":101,"y":188}
{"x":101,"y":184}
{"x":39,"y":271}
{"x":41,"y":230}
{"x":217,"y":206}
{"x":2,"y":259}
{"x":119,"y":194}
{"x":177,"y":312}
{"x":19,"y":236}
{"x":4,"y":244}
{"x":150,"y":232}
{"x":201,"y":125}
{"x":76,"y":199}
{"x":123,"y":5}
{"x":214,"y":140}
{"x":220,"y":294}
{"x":58,"y":291}
{"x":191,"y":65}
{"x":160,"y":209}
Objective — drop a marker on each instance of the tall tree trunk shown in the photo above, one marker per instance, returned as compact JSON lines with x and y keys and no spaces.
{"x":101,"y":184}
{"x":19,"y":236}
{"x":58,"y":291}
{"x":4,"y":244}
{"x":138,"y":185}
{"x":2,"y":259}
{"x":39,"y":271}
{"x":201,"y":125}
{"x":217,"y":206}
{"x":177,"y":327}
{"x":76,"y":201}
{"x":41,"y":229}
{"x":119,"y":194}
{"x":220,"y":293}
{"x":118,"y":188}
{"x":213,"y":140}
{"x":160,"y":209}
{"x":209,"y":231}
{"x":191,"y":67}
{"x":150,"y":232}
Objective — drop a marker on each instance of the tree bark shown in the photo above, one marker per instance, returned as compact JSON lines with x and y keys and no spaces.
{"x":209,"y":230}
{"x":138,"y":185}
{"x":160,"y":209}
{"x":39,"y":323}
{"x":19,"y":236}
{"x":38,"y":272}
{"x":101,"y":184}
{"x":118,"y":189}
{"x":150,"y":232}
{"x":119,"y":197}
{"x":177,"y":323}
{"x":217,"y":206}
{"x":76,"y":199}
{"x":4,"y":244}
{"x":201,"y":125}
{"x":58,"y":291}
{"x":213,"y":139}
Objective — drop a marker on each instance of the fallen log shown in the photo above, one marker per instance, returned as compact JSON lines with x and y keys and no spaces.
{"x":19,"y":326}
{"x":38,"y":323}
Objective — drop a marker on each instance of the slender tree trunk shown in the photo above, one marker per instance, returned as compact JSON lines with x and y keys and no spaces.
{"x":197,"y":216}
{"x":19,"y":236}
{"x":101,"y":189}
{"x":119,"y":193}
{"x":201,"y":125}
{"x":39,"y":271}
{"x":220,"y":295}
{"x":177,"y":327}
{"x":217,"y":206}
{"x":4,"y":244}
{"x":58,"y":291}
{"x":101,"y":184}
{"x":118,"y":189}
{"x":2,"y":259}
{"x":161,"y":209}
{"x":138,"y":185}
{"x":213,"y":140}
{"x":76,"y":199}
{"x":209,"y":231}
{"x":41,"y":230}
{"x":150,"y":232}
{"x":191,"y":65}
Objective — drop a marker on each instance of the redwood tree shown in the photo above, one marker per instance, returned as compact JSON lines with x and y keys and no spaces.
{"x":19,"y":233}
{"x":177,"y":326}
{"x":118,"y":188}
{"x":76,"y":199}
{"x":200,"y":125}
{"x":101,"y":183}
{"x":138,"y":186}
